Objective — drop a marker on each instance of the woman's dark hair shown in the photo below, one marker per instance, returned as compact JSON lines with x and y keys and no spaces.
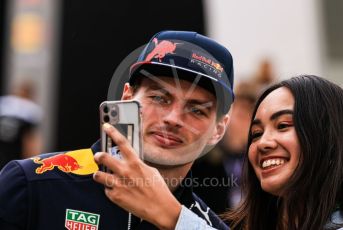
{"x":315,"y":188}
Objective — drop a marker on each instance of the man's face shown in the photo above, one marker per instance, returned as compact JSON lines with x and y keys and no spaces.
{"x":179,"y":119}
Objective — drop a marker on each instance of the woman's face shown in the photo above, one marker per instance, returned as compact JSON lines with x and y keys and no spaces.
{"x":274,"y":150}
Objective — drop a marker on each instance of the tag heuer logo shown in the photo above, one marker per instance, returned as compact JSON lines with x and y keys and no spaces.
{"x":78,"y":220}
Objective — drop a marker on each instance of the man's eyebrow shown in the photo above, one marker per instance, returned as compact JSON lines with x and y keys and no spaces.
{"x":208,"y":105}
{"x":154,"y":86}
{"x":273,"y":116}
{"x":157,"y":87}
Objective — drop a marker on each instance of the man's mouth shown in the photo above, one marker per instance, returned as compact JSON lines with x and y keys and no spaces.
{"x":166,"y":139}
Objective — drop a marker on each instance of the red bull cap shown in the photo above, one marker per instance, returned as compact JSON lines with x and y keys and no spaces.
{"x":189,"y":56}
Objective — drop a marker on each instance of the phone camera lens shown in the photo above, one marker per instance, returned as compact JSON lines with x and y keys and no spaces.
{"x":114,"y":113}
{"x":105,"y":109}
{"x":106,"y":118}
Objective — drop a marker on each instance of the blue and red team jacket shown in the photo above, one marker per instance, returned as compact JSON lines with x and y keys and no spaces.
{"x":56,"y":191}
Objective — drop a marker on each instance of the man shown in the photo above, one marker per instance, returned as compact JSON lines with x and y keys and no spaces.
{"x":183,"y":82}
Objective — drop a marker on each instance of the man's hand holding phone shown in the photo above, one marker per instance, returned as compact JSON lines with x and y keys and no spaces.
{"x":135,"y":186}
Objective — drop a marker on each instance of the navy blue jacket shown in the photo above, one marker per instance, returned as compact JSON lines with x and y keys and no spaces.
{"x":48,"y":193}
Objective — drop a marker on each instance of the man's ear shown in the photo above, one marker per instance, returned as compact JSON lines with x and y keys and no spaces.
{"x":127,"y":92}
{"x":219,"y":130}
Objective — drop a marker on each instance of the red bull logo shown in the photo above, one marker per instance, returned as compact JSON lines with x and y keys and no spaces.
{"x":161,"y":50}
{"x":63,"y":162}
{"x":208,"y":61}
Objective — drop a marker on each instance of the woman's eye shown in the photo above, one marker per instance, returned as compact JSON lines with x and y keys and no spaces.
{"x":283,"y":125}
{"x":255,"y":135}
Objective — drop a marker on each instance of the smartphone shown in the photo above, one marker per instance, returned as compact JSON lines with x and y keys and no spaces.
{"x":125,"y":116}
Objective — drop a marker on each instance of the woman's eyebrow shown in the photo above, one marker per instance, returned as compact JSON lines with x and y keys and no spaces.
{"x":280,"y":113}
{"x":273,"y":116}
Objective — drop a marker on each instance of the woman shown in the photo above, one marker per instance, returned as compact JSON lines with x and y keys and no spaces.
{"x":293,"y":178}
{"x":294,"y":168}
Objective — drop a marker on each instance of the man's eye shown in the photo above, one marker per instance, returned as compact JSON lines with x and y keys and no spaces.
{"x":159,"y":99}
{"x":196,"y":111}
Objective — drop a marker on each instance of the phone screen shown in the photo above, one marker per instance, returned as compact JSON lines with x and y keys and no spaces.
{"x":127,"y":131}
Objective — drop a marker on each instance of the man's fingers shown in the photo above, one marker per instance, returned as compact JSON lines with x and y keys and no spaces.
{"x":107,"y":179}
{"x":107,"y":160}
{"x":123,"y":144}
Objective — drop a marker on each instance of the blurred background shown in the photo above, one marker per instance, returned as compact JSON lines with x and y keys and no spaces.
{"x":57,"y":57}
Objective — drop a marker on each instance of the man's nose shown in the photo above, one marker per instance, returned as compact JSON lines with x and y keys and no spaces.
{"x":174,"y":116}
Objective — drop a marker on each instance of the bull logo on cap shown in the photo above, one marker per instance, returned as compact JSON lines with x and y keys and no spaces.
{"x":161,"y":50}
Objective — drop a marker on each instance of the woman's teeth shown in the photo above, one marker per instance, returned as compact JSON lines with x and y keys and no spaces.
{"x":272,"y":162}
